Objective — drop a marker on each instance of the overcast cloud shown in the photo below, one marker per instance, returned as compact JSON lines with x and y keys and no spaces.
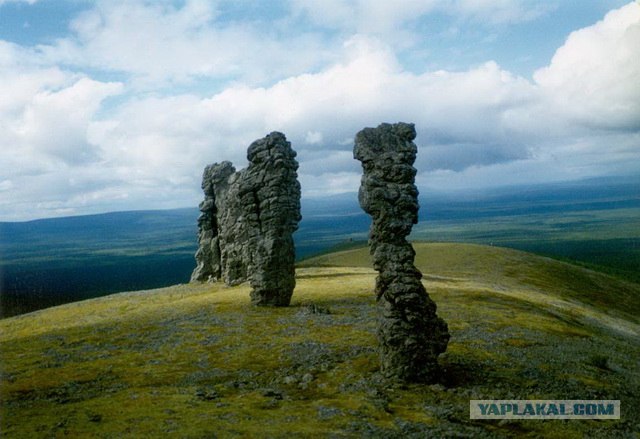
{"x":126,"y":105}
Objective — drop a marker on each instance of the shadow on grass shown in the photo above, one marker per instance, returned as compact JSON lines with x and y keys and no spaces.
{"x":457,"y":374}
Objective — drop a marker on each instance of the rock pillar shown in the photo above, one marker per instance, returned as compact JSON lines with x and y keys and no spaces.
{"x":410,"y":334}
{"x":248,"y":219}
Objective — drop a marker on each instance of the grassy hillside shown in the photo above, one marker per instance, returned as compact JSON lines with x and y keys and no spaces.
{"x":199,"y":361}
{"x":50,"y":262}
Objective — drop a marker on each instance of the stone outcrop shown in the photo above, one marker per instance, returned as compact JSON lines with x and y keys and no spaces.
{"x":208,"y":256}
{"x":247,"y":221}
{"x":410,"y":334}
{"x":269,"y":193}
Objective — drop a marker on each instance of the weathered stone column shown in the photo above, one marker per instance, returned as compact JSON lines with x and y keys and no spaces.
{"x":248,"y":219}
{"x":410,"y":334}
{"x":208,"y":257}
{"x":269,"y":194}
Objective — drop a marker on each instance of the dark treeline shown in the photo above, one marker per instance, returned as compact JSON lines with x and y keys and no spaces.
{"x":50,"y":262}
{"x":29,"y":287}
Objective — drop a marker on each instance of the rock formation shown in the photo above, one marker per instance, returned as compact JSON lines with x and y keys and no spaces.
{"x":410,"y":334}
{"x":247,"y":221}
{"x":269,"y":194}
{"x":208,"y":256}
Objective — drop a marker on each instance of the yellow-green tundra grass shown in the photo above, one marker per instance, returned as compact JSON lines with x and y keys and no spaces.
{"x":199,"y":361}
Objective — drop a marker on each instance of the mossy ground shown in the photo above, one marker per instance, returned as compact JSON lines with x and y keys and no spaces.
{"x":200,"y":361}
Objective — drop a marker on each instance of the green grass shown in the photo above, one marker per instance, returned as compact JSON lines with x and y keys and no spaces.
{"x":199,"y":361}
{"x":489,"y":267}
{"x":606,"y":240}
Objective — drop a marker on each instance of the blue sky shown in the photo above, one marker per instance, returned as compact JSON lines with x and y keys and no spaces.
{"x":118,"y":105}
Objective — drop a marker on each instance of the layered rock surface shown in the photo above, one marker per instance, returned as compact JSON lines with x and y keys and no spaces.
{"x":247,"y":221}
{"x":269,"y":194}
{"x":410,"y":334}
{"x":208,"y":256}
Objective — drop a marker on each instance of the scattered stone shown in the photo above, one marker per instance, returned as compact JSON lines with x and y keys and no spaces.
{"x":290,"y":379}
{"x":315,"y":309}
{"x":94,"y":417}
{"x":270,"y":404}
{"x":326,"y":413}
{"x":410,"y":334}
{"x":310,"y":355}
{"x":247,"y":221}
{"x":380,"y":399}
{"x":271,"y":393}
{"x":207,"y":394}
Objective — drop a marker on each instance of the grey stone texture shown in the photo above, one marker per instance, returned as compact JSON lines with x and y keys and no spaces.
{"x":410,"y":334}
{"x":209,"y":266}
{"x":248,"y":219}
{"x":269,"y":194}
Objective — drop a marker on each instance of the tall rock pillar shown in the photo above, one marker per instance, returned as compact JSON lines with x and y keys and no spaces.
{"x":247,"y":221}
{"x":215,"y":187}
{"x":410,"y":334}
{"x":269,"y":194}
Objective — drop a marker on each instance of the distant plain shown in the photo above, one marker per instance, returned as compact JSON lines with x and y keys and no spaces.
{"x":595,"y":223}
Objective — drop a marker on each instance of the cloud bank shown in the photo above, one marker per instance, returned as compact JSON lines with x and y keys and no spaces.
{"x":125,"y":111}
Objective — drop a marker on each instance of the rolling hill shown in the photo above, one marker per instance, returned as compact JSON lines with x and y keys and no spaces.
{"x":54,"y":261}
{"x":197,"y":360}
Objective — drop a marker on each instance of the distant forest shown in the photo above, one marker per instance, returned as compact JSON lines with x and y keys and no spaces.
{"x":43,"y":263}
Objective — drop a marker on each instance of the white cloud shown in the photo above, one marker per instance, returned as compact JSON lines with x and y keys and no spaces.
{"x":67,"y":148}
{"x":330,"y":183}
{"x":149,"y":140}
{"x":471,"y":119}
{"x":6,"y":185}
{"x":158,"y":43}
{"x":55,"y":122}
{"x":45,"y":113}
{"x":313,"y":137}
{"x":593,"y":78}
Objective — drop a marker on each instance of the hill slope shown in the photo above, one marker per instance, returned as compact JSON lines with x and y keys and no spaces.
{"x":199,"y":361}
{"x":60,"y":260}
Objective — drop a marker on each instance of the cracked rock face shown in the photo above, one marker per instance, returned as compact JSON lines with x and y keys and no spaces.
{"x":410,"y":334}
{"x":269,"y":193}
{"x":208,"y":256}
{"x":247,"y":221}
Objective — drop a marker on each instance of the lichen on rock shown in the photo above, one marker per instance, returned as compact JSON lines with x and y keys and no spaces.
{"x":247,"y":221}
{"x":410,"y":334}
{"x":212,"y":212}
{"x":269,"y":193}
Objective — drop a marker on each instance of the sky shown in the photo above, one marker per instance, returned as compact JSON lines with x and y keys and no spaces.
{"x":118,"y":105}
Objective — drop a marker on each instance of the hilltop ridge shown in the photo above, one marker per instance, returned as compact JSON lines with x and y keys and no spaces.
{"x":197,"y":360}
